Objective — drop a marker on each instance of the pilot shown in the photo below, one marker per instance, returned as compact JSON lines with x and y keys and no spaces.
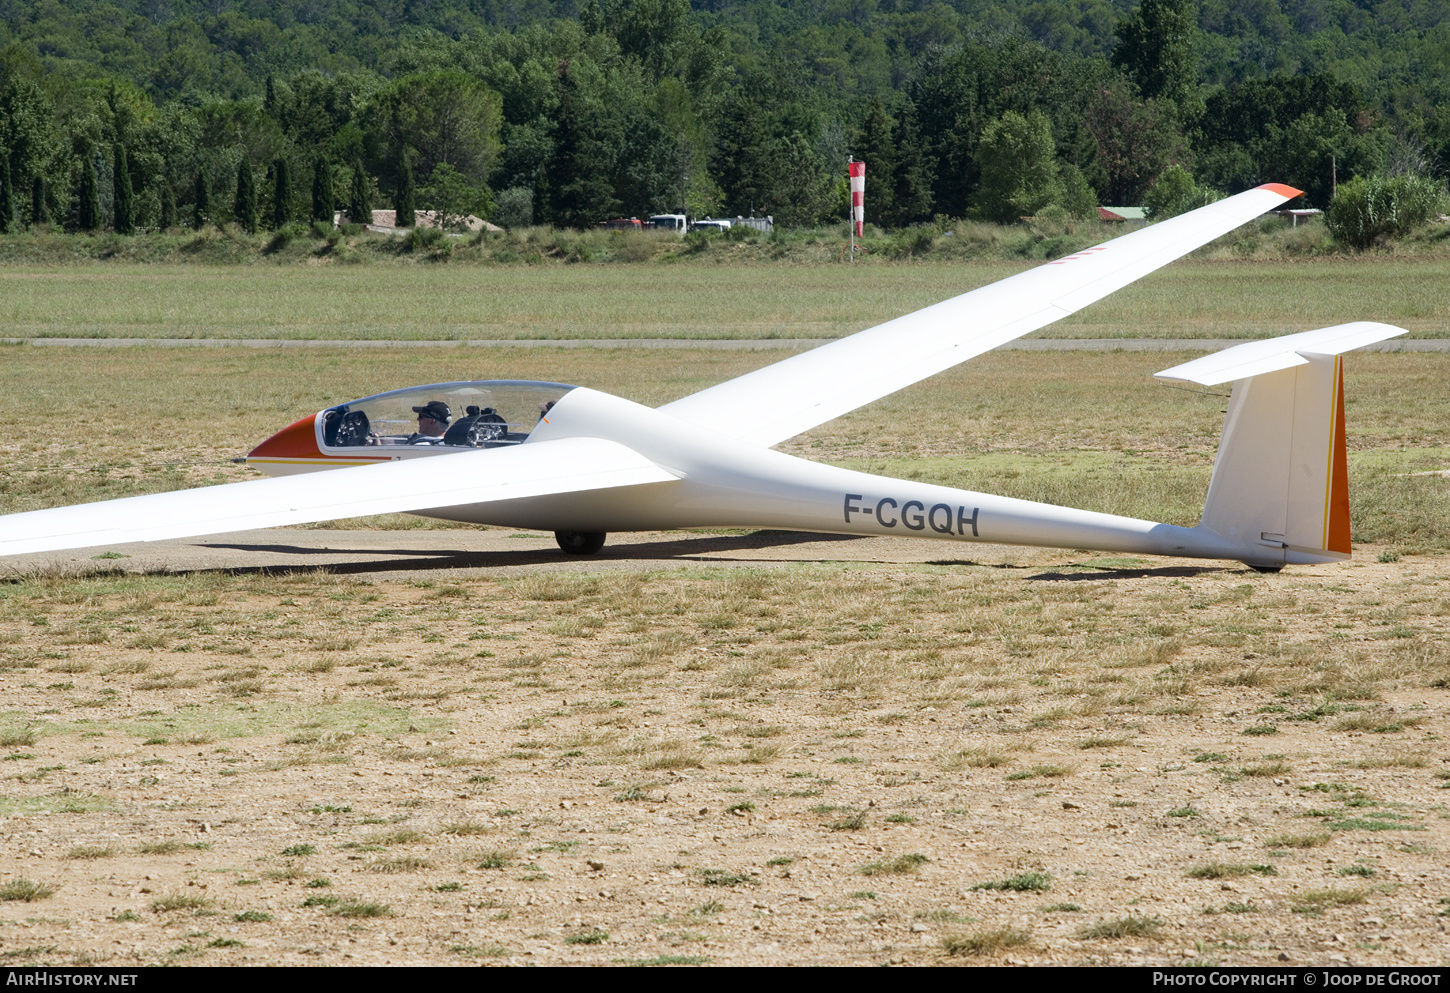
{"x":433,"y":418}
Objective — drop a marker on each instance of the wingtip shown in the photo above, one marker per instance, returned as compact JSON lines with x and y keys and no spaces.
{"x":1287,"y":192}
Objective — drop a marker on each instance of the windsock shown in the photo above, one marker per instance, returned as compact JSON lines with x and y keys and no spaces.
{"x":857,"y":171}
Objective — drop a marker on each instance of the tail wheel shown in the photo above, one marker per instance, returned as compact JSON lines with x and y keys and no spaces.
{"x":580,"y":542}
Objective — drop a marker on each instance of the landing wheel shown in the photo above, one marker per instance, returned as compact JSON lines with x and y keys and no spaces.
{"x":1268,"y":570}
{"x":580,"y":542}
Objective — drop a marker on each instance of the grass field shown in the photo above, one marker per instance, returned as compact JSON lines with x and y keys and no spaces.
{"x":1190,"y":299}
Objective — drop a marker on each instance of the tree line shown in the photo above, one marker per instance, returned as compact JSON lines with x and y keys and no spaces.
{"x":139,"y":115}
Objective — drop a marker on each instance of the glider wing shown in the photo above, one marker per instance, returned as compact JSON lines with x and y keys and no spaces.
{"x":568,"y":465}
{"x":769,"y":405}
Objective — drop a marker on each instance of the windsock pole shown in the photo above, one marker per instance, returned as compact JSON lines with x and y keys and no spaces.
{"x":857,"y":174}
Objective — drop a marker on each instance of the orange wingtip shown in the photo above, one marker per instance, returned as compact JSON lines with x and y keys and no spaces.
{"x":1284,"y":191}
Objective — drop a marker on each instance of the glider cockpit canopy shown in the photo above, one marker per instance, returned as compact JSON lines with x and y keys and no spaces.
{"x":478,"y":414}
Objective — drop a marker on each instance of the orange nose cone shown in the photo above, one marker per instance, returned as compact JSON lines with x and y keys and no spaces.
{"x":296,"y":442}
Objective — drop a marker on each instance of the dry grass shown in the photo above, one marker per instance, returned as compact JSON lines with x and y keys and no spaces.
{"x":1131,"y":926}
{"x":986,"y":942}
{"x":25,"y":890}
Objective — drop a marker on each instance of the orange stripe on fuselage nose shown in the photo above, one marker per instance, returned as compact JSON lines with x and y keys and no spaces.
{"x":298,"y":441}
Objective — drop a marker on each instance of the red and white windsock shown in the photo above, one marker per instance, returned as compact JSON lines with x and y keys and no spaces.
{"x":857,"y":172}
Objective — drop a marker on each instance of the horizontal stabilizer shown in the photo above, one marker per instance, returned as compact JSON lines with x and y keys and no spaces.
{"x":1254,"y":358}
{"x":568,"y":465}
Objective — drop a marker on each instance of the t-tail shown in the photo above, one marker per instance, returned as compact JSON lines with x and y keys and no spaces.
{"x":1280,"y":487}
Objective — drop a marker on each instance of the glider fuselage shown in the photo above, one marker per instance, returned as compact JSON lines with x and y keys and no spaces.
{"x":723,"y":482}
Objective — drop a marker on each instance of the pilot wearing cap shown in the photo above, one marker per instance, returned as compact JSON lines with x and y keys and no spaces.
{"x":433,"y":418}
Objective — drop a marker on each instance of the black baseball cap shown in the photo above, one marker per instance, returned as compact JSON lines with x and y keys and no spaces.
{"x":436,"y":409}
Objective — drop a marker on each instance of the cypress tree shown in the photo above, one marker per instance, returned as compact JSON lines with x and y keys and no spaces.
{"x":360,"y":201}
{"x":88,"y":213}
{"x":125,"y":202}
{"x":879,"y":152}
{"x":201,"y":212}
{"x":39,"y":213}
{"x":911,"y":201}
{"x":168,"y":207}
{"x":323,"y":203}
{"x":7,"y":201}
{"x":281,"y":194}
{"x":404,"y":200}
{"x":244,"y":207}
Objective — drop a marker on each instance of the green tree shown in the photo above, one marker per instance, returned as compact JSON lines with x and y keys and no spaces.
{"x":88,"y":209}
{"x":7,"y":201}
{"x":168,"y":207}
{"x":1176,"y":193}
{"x":767,"y":154}
{"x":687,"y":185}
{"x":323,"y":202}
{"x":125,"y":202}
{"x":452,"y":197}
{"x":27,"y":128}
{"x":360,"y":196}
{"x":1079,"y":199}
{"x":39,"y":210}
{"x":577,"y":173}
{"x":281,"y":194}
{"x":447,"y":116}
{"x":1134,"y":139}
{"x":660,"y":35}
{"x":201,"y":200}
{"x":515,"y":208}
{"x":877,"y":149}
{"x":911,"y":199}
{"x":244,"y":206}
{"x":404,"y":199}
{"x":1156,"y":50}
{"x":1299,"y":130}
{"x":800,"y":191}
{"x":1019,"y":167}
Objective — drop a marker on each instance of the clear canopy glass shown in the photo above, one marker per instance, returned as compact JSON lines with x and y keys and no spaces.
{"x":481,"y":414}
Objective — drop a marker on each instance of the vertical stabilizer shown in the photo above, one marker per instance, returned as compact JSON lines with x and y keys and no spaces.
{"x":1279,"y":481}
{"x":1280,"y":486}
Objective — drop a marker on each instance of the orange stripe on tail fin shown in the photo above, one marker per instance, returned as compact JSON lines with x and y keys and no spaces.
{"x":1336,"y":528}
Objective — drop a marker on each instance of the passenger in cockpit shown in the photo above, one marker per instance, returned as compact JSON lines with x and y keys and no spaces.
{"x":433,"y":418}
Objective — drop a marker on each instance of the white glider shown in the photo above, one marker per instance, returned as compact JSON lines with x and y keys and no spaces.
{"x":581,"y":463}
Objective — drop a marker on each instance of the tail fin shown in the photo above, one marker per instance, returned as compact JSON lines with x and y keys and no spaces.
{"x":1280,"y":486}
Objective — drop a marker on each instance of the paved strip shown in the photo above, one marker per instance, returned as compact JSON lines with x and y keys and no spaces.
{"x":716,"y":344}
{"x":728,"y":345}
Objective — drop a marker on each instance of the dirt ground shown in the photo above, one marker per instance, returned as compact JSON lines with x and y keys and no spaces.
{"x":457,"y":747}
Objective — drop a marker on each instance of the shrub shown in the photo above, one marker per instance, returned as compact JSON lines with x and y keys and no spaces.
{"x":515,"y":208}
{"x":1370,"y":208}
